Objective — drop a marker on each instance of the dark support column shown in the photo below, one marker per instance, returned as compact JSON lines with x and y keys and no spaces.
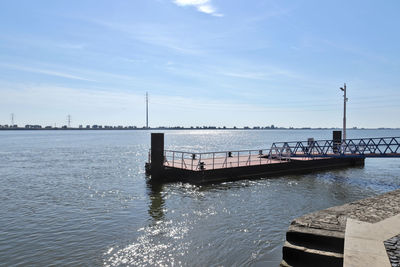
{"x":157,"y":156}
{"x":337,"y":141}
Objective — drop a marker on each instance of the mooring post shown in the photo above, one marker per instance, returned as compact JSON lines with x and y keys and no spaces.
{"x":336,"y":141}
{"x":157,"y":156}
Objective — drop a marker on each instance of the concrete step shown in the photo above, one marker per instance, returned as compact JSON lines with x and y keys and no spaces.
{"x":284,"y":264}
{"x":329,"y":241}
{"x":299,"y":256}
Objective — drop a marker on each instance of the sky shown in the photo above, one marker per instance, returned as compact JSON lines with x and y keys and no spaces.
{"x":202,"y":62}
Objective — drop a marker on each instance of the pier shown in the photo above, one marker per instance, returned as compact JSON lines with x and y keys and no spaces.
{"x":360,"y":233}
{"x":280,"y":159}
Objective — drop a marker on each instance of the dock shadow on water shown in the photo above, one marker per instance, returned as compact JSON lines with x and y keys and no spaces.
{"x":157,"y":201}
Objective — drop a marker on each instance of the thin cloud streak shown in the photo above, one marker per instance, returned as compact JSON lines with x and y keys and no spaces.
{"x":27,"y":40}
{"x":46,"y":72}
{"x":48,"y":69}
{"x":204,"y":6}
{"x":155,"y":35}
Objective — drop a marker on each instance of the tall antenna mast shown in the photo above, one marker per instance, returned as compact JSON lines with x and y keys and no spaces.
{"x":69,"y":121}
{"x":147,"y":110}
{"x":12,"y":119}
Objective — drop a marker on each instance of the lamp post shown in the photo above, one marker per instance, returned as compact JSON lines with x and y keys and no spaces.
{"x":345,"y":99}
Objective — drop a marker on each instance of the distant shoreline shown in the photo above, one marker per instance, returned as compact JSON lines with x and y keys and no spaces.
{"x":180,"y":128}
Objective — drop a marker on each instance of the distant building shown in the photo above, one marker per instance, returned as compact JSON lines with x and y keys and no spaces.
{"x":28,"y":126}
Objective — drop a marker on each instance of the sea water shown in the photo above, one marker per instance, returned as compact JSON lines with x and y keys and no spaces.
{"x":81,"y":198}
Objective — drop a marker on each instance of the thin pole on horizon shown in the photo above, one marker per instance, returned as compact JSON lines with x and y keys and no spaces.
{"x":147,"y":110}
{"x":345,"y":99}
{"x":12,"y":119}
{"x":69,"y":121}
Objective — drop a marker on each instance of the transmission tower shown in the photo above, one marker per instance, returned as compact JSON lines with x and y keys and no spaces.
{"x":69,"y":121}
{"x":147,"y":110}
{"x":12,"y":119}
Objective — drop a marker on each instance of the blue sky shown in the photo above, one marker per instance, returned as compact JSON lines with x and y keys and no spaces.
{"x":203,"y":62}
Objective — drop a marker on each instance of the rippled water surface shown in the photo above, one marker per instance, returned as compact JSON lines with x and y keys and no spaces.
{"x":81,"y":198}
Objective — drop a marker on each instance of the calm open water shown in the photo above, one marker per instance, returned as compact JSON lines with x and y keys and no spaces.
{"x":80,"y":198}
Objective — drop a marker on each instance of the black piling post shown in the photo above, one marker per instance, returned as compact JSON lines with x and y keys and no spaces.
{"x":157,"y":156}
{"x":337,"y":141}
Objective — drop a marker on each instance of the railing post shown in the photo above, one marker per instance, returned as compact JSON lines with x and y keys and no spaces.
{"x":173,"y":158}
{"x":199,"y":160}
{"x":213,"y":160}
{"x":238,"y":158}
{"x":149,"y":155}
{"x":182,"y":162}
{"x":249,"y":157}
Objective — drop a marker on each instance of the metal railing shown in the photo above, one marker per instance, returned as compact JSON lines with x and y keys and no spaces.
{"x":362,"y":147}
{"x":283,"y":151}
{"x":216,"y":160}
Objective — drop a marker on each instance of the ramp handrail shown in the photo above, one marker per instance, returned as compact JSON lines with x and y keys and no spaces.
{"x":361,"y":147}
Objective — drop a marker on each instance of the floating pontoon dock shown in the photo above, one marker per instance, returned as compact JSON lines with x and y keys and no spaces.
{"x":282,"y":158}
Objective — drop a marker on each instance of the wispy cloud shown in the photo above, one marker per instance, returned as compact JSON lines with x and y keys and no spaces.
{"x":33,"y":41}
{"x":245,"y":75}
{"x":319,"y":44}
{"x":72,"y":46}
{"x":90,"y":75}
{"x":258,"y":72}
{"x":204,"y":6}
{"x":45,"y":71}
{"x":152,"y":34}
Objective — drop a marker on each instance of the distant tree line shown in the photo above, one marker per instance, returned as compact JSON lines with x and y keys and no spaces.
{"x":120,"y":127}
